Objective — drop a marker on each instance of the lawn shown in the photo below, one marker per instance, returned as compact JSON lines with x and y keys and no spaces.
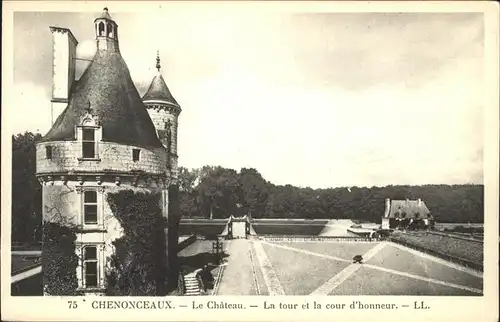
{"x":21,"y":263}
{"x":368,"y":281}
{"x":345,"y":250}
{"x":391,"y":271}
{"x":299,"y":273}
{"x":395,"y":258}
{"x":468,"y":250}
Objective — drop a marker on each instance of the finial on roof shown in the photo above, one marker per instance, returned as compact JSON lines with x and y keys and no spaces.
{"x":158,"y":66}
{"x":105,"y":14}
{"x":89,"y":109}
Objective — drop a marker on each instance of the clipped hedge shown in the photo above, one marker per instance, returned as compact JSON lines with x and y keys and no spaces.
{"x":59,"y":261}
{"x":138,"y":266}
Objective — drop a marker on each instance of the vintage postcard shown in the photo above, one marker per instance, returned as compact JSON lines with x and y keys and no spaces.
{"x":209,"y":161}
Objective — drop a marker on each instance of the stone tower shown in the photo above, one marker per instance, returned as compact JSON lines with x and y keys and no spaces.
{"x":103,"y":142}
{"x":164,"y":112}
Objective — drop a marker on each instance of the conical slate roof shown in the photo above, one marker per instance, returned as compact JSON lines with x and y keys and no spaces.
{"x":106,"y":84}
{"x":158,"y":91}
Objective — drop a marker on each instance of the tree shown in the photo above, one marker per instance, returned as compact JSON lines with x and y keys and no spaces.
{"x":26,"y":190}
{"x":254,"y":190}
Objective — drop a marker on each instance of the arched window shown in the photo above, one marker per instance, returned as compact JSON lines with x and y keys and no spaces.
{"x":101,"y":28}
{"x":110,"y":30}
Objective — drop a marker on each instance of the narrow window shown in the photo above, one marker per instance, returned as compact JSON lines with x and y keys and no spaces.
{"x":88,"y":143}
{"x":90,"y":266}
{"x":90,"y":207}
{"x":101,"y":29}
{"x":136,"y":153}
{"x":110,"y":30}
{"x":48,"y":152}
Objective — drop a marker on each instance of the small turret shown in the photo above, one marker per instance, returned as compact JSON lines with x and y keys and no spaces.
{"x":164,"y":111}
{"x":106,"y":31}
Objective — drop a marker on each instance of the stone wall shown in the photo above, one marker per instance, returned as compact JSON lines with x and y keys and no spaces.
{"x":111,"y":157}
{"x":160,"y":116}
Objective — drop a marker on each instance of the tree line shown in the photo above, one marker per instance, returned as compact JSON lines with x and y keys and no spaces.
{"x":217,"y":192}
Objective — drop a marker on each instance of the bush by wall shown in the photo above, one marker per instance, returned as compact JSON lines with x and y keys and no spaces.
{"x":138,"y":266}
{"x":59,"y":261}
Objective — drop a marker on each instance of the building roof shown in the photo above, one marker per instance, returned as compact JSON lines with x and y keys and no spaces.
{"x":104,"y":14}
{"x":107,"y":86}
{"x":410,"y":207}
{"x":158,"y":91}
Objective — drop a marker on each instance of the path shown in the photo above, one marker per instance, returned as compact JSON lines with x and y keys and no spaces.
{"x":237,"y":278}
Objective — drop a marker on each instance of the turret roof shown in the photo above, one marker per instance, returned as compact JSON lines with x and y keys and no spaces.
{"x":104,"y":14}
{"x":158,"y":91}
{"x":107,"y":86}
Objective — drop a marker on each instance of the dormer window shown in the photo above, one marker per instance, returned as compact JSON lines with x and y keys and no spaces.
{"x":48,"y":152}
{"x":136,"y":154}
{"x":88,"y":143}
{"x":89,"y":134}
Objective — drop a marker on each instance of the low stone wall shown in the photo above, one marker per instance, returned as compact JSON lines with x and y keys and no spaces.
{"x":292,"y":238}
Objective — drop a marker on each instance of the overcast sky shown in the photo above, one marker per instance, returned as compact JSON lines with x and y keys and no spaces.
{"x":319,"y":100}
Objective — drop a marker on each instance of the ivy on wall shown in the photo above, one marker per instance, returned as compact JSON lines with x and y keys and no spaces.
{"x":138,"y":266}
{"x":59,"y":261}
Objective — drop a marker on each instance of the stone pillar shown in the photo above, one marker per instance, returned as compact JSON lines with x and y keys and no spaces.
{"x":173,"y":234}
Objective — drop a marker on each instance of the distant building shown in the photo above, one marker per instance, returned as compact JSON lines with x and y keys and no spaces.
{"x":396,"y":210}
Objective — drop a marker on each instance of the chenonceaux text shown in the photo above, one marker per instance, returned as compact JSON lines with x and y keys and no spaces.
{"x":140,"y":304}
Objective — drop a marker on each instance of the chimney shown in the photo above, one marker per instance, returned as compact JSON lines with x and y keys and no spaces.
{"x":387,"y":207}
{"x":419,"y":202}
{"x":407,"y":202}
{"x":63,"y":68}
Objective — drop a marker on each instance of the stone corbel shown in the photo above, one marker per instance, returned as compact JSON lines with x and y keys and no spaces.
{"x":64,"y":179}
{"x":98,"y":179}
{"x":50,"y":179}
{"x":41,"y":180}
{"x":78,"y":189}
{"x":117,"y":181}
{"x":100,"y":189}
{"x":80,"y":180}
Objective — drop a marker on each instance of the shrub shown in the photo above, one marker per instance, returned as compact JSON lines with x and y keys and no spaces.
{"x":59,"y":261}
{"x":138,"y":266}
